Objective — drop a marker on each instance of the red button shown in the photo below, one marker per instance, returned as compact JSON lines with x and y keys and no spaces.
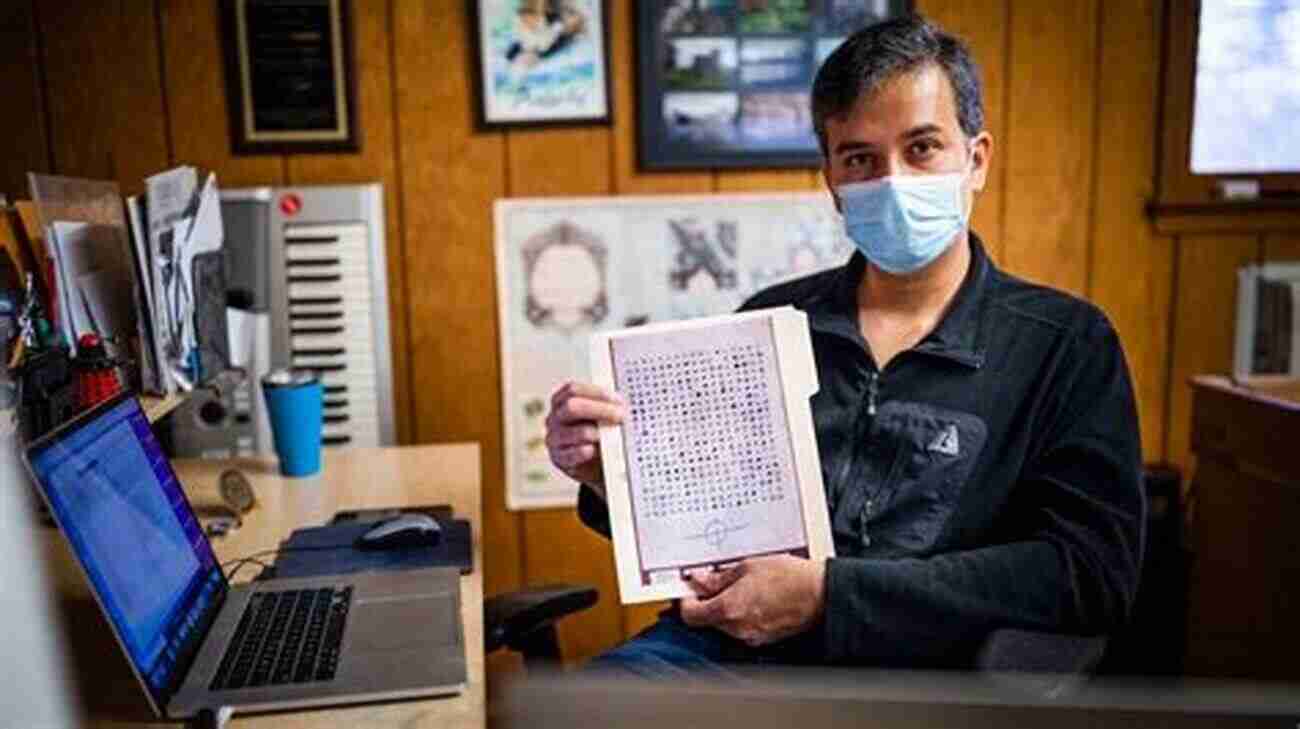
{"x":290,"y":204}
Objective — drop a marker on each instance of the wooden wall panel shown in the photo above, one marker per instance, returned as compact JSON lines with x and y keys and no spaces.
{"x":1131,"y":271}
{"x":556,"y":547}
{"x":22,"y":126}
{"x":985,"y":29}
{"x":105,"y":91}
{"x":1049,"y":141}
{"x":1282,"y":247}
{"x":376,"y":162}
{"x":766,"y":180}
{"x":449,"y":174}
{"x":196,"y":90}
{"x":1204,"y":318}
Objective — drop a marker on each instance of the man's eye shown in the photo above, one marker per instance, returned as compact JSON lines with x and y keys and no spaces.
{"x":923,"y":147}
{"x":854,"y":161}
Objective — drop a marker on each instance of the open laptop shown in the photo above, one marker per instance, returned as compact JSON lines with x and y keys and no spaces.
{"x":197,"y":642}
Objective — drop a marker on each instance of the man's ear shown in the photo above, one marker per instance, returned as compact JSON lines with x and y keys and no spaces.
{"x":981,"y":156}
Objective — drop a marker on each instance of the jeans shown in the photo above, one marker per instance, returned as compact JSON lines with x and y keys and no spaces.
{"x":671,"y":649}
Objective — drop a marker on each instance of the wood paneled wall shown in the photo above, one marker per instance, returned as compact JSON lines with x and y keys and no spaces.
{"x":121,"y":89}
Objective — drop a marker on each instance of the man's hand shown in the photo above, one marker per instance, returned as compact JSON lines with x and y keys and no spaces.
{"x":572,"y":438}
{"x":759,"y":601}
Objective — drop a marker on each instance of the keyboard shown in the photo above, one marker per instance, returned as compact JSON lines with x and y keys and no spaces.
{"x":291,"y":636}
{"x":333,"y":329}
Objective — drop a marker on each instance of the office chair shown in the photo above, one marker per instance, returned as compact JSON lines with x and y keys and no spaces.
{"x":1050,"y":664}
{"x":524,"y":620}
{"x":1047,"y":665}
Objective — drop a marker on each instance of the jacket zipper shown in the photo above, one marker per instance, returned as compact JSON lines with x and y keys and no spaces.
{"x":873,"y":395}
{"x":846,"y":470}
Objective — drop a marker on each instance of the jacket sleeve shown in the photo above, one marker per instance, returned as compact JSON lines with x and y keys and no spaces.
{"x":593,"y":511}
{"x":1070,"y":561}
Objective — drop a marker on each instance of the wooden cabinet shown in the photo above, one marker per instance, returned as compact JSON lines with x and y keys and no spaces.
{"x":1244,"y":612}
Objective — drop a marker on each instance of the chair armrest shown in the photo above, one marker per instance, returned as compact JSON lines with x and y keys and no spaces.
{"x":509,"y":619}
{"x":1029,"y":651}
{"x":1044,"y":665}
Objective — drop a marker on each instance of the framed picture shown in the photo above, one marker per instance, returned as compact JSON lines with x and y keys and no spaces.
{"x":727,"y":83}
{"x":542,"y":62}
{"x":290,"y":76}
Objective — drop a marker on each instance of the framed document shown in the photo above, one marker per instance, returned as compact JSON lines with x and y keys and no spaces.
{"x":717,"y":461}
{"x":542,"y":62}
{"x":290,"y":76}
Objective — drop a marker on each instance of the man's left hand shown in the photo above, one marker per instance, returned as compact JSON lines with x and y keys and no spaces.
{"x":758,"y":601}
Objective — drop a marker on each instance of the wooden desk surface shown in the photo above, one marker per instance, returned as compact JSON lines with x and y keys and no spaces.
{"x":352,"y":479}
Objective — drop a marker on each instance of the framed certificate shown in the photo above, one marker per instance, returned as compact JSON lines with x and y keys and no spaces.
{"x":290,"y":76}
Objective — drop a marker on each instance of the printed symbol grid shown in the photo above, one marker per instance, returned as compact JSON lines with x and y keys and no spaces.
{"x":703,"y":430}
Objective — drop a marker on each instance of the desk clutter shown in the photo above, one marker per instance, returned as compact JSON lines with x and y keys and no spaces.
{"x":99,"y":293}
{"x":192,"y":293}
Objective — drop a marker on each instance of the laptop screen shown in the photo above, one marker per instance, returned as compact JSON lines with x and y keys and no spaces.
{"x":117,"y":499}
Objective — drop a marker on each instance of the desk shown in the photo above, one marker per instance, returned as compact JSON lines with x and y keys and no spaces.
{"x":351,"y":479}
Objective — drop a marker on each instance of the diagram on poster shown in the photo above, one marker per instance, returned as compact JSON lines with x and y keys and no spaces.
{"x":571,"y":267}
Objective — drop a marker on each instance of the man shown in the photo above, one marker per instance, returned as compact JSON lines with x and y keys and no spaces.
{"x":978,"y":433}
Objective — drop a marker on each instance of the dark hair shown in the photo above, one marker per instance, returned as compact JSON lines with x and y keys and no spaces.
{"x":886,"y":50}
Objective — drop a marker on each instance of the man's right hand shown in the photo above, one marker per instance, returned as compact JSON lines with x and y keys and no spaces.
{"x":572,"y":435}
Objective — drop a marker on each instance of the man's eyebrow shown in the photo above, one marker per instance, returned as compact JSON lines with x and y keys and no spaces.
{"x":851,"y":145}
{"x":922,"y":130}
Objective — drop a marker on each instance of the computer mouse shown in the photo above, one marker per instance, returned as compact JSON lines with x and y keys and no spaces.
{"x":407,"y":530}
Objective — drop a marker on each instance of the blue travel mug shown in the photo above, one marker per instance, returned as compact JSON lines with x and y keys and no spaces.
{"x":294,"y":401}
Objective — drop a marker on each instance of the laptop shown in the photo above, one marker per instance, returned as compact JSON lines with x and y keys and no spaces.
{"x":197,"y":642}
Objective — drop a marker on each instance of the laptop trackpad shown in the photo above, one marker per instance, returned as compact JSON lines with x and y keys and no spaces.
{"x":384,"y":625}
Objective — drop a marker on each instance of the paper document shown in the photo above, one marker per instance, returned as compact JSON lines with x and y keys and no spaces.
{"x":184,"y":223}
{"x":718,"y":458}
{"x":153,"y":375}
{"x":170,"y":210}
{"x":96,"y":285}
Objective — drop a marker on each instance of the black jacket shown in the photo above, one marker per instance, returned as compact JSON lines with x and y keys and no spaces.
{"x":988,"y":477}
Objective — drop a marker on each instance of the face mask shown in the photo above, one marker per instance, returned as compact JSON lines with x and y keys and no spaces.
{"x":903,"y":222}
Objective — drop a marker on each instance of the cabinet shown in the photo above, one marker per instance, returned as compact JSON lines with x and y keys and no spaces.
{"x":1244,"y":611}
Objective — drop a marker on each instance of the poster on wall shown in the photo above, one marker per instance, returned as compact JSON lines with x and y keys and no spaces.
{"x":725,"y":83}
{"x":542,"y":62}
{"x":568,"y":267}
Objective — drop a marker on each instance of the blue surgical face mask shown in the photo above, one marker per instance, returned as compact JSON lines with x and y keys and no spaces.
{"x":901,"y":223}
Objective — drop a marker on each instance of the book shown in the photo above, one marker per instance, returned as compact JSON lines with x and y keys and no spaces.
{"x":154,"y":377}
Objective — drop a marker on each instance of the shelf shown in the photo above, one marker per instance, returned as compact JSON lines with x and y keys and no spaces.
{"x":1259,"y":216}
{"x":156,"y":408}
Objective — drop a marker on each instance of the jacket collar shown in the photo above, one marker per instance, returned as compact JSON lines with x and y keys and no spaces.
{"x":959,"y":337}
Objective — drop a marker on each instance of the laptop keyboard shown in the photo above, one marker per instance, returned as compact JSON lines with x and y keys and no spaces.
{"x":285,"y":637}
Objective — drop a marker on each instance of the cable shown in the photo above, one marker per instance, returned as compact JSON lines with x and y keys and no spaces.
{"x":255,"y":557}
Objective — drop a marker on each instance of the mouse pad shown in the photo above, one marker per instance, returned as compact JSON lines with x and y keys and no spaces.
{"x":328,"y":550}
